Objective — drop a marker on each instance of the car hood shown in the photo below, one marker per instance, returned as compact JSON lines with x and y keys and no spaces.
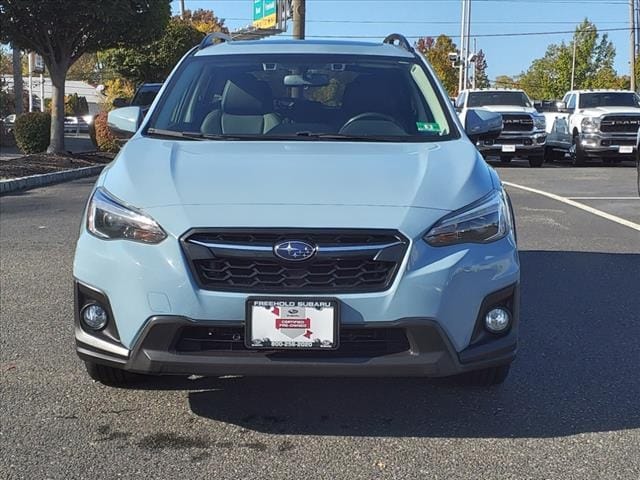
{"x":598,"y":111}
{"x":151,"y":173}
{"x":509,"y":109}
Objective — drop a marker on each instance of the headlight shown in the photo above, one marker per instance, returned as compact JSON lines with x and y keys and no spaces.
{"x":109,"y":219}
{"x":486,"y":220}
{"x":539,"y":122}
{"x":590,"y":124}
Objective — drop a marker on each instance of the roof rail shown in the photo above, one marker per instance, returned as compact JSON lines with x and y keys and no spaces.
{"x":399,"y":41}
{"x":210,"y":39}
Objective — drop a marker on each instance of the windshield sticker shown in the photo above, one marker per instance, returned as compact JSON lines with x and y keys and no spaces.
{"x":428,"y":127}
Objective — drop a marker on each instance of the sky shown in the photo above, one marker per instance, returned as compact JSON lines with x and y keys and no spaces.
{"x":506,"y":55}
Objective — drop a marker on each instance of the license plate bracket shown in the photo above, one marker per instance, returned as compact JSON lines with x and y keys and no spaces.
{"x":625,"y":149}
{"x":292,"y":323}
{"x":508,"y":148}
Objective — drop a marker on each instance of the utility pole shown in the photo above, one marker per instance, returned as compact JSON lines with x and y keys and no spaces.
{"x":632,"y":44}
{"x":181,"y":8}
{"x":17,"y":80}
{"x":468,"y":45}
{"x":462,"y":60}
{"x":573,"y":63}
{"x":299,"y":10}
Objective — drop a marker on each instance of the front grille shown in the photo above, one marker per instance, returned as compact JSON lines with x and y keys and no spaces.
{"x":620,"y":123}
{"x":354,"y":342}
{"x":244,"y":261}
{"x":517,"y":122}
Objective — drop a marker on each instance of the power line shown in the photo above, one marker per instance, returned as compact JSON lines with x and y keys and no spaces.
{"x":480,"y":35}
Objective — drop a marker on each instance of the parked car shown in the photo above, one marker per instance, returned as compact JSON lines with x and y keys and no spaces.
{"x":74,"y":124}
{"x":523,"y":132}
{"x":320,"y":211}
{"x":9,"y":122}
{"x":594,"y":125}
{"x":638,"y":160}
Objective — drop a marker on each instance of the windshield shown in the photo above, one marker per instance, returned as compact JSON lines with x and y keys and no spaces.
{"x":609,"y":99}
{"x":482,"y":99}
{"x":271,"y":97}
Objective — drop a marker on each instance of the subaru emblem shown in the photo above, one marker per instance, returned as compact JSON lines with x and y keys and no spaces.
{"x":294,"y":250}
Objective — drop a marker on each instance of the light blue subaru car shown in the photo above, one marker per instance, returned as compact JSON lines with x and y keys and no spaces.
{"x":298,"y":208}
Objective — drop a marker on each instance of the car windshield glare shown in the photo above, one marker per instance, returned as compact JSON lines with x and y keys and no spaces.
{"x":310,"y":97}
{"x":609,"y":99}
{"x":482,"y":99}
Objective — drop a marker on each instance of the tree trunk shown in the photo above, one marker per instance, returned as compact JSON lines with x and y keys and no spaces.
{"x":58,"y":77}
{"x":17,"y":81}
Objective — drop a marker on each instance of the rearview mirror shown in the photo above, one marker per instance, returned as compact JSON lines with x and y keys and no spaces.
{"x":561,"y":107}
{"x":308,"y":80}
{"x":482,"y":124}
{"x":124,"y":122}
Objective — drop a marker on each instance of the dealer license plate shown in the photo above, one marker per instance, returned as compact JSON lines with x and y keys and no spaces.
{"x":292,"y":324}
{"x":509,"y":148}
{"x":625,"y":149}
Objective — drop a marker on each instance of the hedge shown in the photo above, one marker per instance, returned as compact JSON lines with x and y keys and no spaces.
{"x":33,"y":132}
{"x":105,"y":139}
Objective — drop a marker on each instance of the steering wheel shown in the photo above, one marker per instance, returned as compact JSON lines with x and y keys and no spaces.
{"x":370,"y":116}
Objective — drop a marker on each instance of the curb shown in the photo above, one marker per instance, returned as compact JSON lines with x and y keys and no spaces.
{"x":34,"y":181}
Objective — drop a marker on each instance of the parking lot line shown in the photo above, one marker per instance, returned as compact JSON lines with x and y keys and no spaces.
{"x":581,"y":206}
{"x":603,"y":198}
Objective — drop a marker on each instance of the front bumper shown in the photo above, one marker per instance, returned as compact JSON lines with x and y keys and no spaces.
{"x":601,"y":143}
{"x":521,"y":143}
{"x":428,"y":351}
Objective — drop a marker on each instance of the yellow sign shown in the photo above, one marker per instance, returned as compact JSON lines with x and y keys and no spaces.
{"x":266,"y":22}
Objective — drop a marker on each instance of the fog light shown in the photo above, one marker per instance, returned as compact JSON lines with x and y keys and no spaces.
{"x":94,"y":316}
{"x":497,"y":320}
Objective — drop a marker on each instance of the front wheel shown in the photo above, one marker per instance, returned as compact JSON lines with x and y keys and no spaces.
{"x":113,"y":377}
{"x":578,"y":156}
{"x":536,"y":162}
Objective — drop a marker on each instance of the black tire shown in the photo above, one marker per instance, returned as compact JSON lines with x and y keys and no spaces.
{"x":578,"y":158}
{"x":113,"y":377}
{"x":505,"y":159}
{"x":537,"y":161}
{"x":487,"y":377}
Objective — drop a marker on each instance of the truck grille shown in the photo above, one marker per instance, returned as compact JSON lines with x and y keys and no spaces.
{"x":620,"y":123}
{"x":351,"y":261}
{"x":354,"y":342}
{"x":517,"y":122}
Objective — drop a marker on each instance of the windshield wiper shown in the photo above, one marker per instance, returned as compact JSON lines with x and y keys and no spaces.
{"x":350,"y":138}
{"x":160,"y":133}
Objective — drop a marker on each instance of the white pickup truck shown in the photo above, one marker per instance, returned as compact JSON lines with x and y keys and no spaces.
{"x":523,"y":133}
{"x":593,"y":124}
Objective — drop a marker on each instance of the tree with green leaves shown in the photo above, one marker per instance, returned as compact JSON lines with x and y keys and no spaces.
{"x":549,"y":77}
{"x":437,"y":52}
{"x":482,"y":79}
{"x":154,"y":61}
{"x":505,"y":81}
{"x":62,"y":31}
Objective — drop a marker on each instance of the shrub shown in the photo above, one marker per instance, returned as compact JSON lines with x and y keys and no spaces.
{"x":105,"y":139}
{"x":32,"y":132}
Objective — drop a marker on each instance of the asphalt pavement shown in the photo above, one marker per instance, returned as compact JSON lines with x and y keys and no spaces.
{"x":569,"y":410}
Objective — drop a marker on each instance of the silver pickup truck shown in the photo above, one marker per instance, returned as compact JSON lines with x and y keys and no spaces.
{"x":523,"y":133}
{"x":593,"y":125}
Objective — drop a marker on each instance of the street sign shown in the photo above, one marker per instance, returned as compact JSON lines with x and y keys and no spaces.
{"x":265,"y":13}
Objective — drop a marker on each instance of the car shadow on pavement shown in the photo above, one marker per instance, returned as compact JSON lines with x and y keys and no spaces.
{"x":577,"y":371}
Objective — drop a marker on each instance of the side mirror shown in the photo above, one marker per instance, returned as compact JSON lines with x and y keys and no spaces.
{"x":561,"y":107}
{"x":482,"y":124}
{"x":121,"y":102}
{"x":124,"y":122}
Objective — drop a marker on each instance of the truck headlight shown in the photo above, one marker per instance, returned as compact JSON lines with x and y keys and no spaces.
{"x":487,"y":220}
{"x":590,"y":124}
{"x":539,"y":122}
{"x":109,"y":219}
